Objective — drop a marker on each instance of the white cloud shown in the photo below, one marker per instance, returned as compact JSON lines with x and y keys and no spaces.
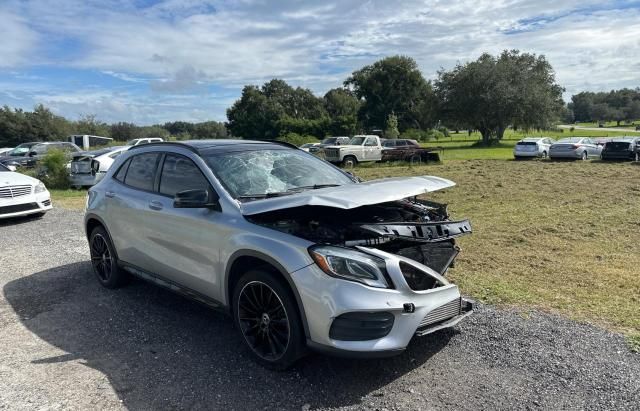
{"x":18,"y":39}
{"x":181,"y":47}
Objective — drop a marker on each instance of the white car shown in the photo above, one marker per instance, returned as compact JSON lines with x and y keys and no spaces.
{"x":307,"y":146}
{"x":138,"y":141}
{"x":22,"y":195}
{"x":532,"y":147}
{"x":5,"y":150}
{"x":89,"y":167}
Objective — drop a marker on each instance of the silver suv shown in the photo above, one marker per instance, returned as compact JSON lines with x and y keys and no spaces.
{"x":297,"y":251}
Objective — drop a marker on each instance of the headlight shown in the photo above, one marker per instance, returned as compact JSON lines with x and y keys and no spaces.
{"x":40,"y":188}
{"x":350,"y":265}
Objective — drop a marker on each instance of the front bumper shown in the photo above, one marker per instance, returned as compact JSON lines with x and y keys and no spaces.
{"x":326,"y":299}
{"x":25,"y":205}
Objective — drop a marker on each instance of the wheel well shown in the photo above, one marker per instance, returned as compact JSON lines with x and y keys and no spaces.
{"x":246,"y":263}
{"x":92,"y":223}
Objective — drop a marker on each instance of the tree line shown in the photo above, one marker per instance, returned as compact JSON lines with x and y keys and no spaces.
{"x":389,"y":97}
{"x":19,"y":126}
{"x":616,"y":105}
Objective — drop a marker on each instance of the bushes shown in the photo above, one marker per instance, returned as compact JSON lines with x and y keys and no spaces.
{"x":297,"y":139}
{"x":52,"y":170}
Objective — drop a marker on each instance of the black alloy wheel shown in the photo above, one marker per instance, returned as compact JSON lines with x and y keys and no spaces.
{"x":266,"y":313}
{"x":263,"y":321}
{"x":104,"y":260}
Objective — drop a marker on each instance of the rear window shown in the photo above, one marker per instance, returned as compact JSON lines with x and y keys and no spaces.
{"x":618,"y":145}
{"x":526,"y":143}
{"x":142,"y":171}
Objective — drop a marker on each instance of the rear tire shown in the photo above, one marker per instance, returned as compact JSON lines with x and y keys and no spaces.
{"x":104,"y":260}
{"x":544,"y":155}
{"x":585,"y":156}
{"x":637,"y":156}
{"x":265,"y":313}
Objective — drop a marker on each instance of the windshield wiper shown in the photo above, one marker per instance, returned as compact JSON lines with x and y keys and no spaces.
{"x":313,"y":187}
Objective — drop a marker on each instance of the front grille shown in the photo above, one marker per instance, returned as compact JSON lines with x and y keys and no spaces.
{"x":14,"y":191}
{"x":442,"y":313}
{"x":18,"y":208}
{"x":331,"y":152}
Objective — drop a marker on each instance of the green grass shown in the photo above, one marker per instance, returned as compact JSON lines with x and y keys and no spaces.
{"x":560,"y":236}
{"x":73,"y":199}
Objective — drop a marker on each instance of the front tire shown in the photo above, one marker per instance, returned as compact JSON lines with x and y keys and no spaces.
{"x":104,"y":260}
{"x":266,"y":315}
{"x":585,"y":156}
{"x":544,"y":155}
{"x":349,"y":161}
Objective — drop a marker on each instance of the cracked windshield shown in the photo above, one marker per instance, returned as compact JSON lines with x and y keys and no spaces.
{"x":266,"y":173}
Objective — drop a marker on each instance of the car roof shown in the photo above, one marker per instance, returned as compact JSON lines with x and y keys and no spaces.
{"x":533,"y":138}
{"x":625,"y":139}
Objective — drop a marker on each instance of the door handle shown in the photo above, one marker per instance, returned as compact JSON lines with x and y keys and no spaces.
{"x":110,"y":194}
{"x":155,"y":205}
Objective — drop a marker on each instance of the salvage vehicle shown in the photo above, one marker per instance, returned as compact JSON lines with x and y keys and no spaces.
{"x":575,"y":148}
{"x":37,"y":151}
{"x":5,"y":150}
{"x":89,"y":167}
{"x":624,"y":148}
{"x":532,"y":147}
{"x":297,"y":251}
{"x":407,"y":150}
{"x":359,"y":149}
{"x":308,"y":146}
{"x":329,"y":141}
{"x":15,"y":155}
{"x":21,"y":195}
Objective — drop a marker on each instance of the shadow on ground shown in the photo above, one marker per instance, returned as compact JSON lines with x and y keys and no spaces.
{"x":160,"y":350}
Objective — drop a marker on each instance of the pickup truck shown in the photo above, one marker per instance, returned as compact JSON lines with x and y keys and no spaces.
{"x":359,"y":149}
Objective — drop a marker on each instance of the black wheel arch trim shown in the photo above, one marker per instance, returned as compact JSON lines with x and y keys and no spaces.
{"x":269,"y":260}
{"x":92,"y":216}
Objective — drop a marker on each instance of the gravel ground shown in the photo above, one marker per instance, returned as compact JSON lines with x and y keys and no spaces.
{"x":68,"y":343}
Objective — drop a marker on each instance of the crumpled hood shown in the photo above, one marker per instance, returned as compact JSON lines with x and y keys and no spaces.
{"x":352,"y":195}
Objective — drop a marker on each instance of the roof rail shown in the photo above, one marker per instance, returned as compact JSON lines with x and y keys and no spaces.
{"x":164,"y":143}
{"x":282,"y":143}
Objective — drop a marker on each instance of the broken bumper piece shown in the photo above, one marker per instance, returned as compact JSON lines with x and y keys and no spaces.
{"x":427,"y":232}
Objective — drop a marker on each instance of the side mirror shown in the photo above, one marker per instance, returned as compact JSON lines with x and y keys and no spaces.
{"x":195,"y":199}
{"x":32,"y":153}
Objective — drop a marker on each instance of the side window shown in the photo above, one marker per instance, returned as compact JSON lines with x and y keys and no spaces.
{"x":122,"y":171}
{"x":142,"y":171}
{"x":389,"y":143}
{"x":180,"y":173}
{"x":370,"y":142}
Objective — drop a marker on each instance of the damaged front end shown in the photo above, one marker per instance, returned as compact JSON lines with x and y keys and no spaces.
{"x":412,"y":228}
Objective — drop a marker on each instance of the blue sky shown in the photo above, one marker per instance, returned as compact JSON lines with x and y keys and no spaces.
{"x":150,"y":61}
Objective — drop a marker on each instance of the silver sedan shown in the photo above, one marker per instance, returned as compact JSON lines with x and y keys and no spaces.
{"x":575,"y":148}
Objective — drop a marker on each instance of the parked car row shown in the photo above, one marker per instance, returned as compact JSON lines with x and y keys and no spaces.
{"x":579,"y":148}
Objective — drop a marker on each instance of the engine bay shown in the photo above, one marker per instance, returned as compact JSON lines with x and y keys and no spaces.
{"x":412,"y":228}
